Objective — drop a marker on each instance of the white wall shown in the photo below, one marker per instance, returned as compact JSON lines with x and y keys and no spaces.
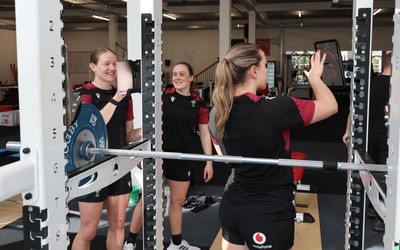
{"x":87,"y":41}
{"x":204,"y":44}
{"x":304,"y":38}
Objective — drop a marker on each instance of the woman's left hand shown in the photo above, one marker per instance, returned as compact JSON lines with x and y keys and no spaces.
{"x":208,"y":172}
{"x":317,"y":65}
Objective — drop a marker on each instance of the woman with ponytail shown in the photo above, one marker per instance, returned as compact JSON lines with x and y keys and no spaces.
{"x":256,"y":210}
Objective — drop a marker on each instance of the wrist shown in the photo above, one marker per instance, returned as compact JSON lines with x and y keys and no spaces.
{"x":122,"y":93}
{"x":314,"y":79}
{"x":114,"y":102}
{"x":118,"y":97}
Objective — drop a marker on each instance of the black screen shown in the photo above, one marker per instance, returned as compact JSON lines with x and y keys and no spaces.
{"x":333,"y":75}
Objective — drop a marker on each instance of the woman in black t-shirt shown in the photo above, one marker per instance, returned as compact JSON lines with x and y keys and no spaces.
{"x":183,"y":111}
{"x":117,"y":112}
{"x":256,"y":210}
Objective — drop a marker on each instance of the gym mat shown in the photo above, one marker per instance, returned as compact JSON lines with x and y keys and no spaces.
{"x":307,"y":235}
{"x":216,"y":245}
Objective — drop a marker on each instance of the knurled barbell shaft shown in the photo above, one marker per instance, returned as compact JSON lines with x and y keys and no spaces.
{"x":311,"y":164}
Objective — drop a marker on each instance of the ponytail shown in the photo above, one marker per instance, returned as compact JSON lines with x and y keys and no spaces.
{"x":230,"y":71}
{"x":222,"y":96}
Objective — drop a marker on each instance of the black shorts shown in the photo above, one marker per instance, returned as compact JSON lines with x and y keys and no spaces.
{"x":177,"y":170}
{"x":257,"y":230}
{"x":121,"y":186}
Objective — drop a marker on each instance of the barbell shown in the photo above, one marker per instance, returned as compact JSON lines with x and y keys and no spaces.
{"x":311,"y":164}
{"x":86,"y":141}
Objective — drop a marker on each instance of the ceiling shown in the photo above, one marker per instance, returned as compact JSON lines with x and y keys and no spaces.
{"x":204,"y":14}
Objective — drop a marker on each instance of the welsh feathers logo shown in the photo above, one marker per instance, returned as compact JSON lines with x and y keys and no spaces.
{"x":259,"y":238}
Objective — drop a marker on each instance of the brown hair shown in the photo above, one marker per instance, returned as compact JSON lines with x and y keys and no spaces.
{"x":230,"y":71}
{"x":94,"y":58}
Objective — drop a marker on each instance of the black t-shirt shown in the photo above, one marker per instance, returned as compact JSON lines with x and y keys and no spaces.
{"x":258,"y":127}
{"x":181,"y":114}
{"x":116,"y":127}
{"x":379,"y":97}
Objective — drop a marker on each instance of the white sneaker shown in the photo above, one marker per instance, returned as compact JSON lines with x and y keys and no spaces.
{"x":183,"y":246}
{"x":129,"y":246}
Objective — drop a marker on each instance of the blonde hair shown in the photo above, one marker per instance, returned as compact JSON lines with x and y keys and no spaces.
{"x":230,"y":71}
{"x":94,"y":58}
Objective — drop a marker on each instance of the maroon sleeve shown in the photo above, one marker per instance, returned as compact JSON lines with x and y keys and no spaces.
{"x":86,"y":98}
{"x":306,"y":109}
{"x":203,"y":112}
{"x":203,"y":116}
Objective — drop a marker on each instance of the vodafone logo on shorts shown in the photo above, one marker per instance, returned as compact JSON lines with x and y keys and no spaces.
{"x":259,"y":238}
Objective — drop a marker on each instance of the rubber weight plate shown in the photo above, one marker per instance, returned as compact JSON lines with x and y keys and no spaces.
{"x":88,"y":128}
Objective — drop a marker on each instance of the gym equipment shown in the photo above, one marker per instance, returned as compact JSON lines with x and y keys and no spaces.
{"x":361,"y":46}
{"x":42,"y":106}
{"x":330,"y":166}
{"x":84,"y":152}
{"x":72,"y":99}
{"x":89,"y":129}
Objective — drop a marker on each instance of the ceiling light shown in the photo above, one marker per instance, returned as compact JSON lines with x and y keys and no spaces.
{"x":100,"y":17}
{"x":85,"y":28}
{"x":299,"y":13}
{"x":125,"y":0}
{"x":169,"y":16}
{"x":377,"y":11}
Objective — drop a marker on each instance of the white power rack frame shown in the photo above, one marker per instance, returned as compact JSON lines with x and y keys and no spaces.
{"x":383,"y":191}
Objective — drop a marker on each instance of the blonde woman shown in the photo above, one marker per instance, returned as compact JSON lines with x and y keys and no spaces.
{"x":256,"y":211}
